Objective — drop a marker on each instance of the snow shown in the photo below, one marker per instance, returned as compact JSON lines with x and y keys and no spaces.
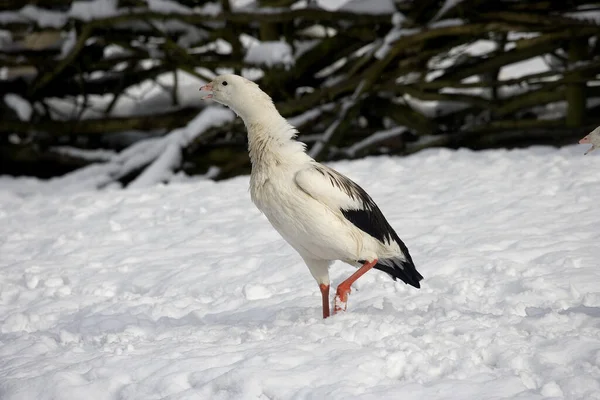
{"x":331,"y":4}
{"x":21,"y":106}
{"x":519,"y":69}
{"x":458,"y":55}
{"x":374,"y":138}
{"x":171,"y":146}
{"x":145,"y":98}
{"x":10,"y":17}
{"x":270,"y":54}
{"x":45,"y":18}
{"x":94,"y":155}
{"x":394,"y":34}
{"x":373,"y":7}
{"x":446,"y":23}
{"x":433,"y":108}
{"x":83,"y":10}
{"x":159,"y":155}
{"x":241,"y":4}
{"x":448,"y":5}
{"x":186,"y":292}
{"x":68,"y":43}
{"x":346,"y":104}
{"x":94,"y":9}
{"x":6,"y":38}
{"x":592,"y":16}
{"x":208,"y":9}
{"x":313,"y":113}
{"x":481,"y":47}
{"x":330,"y":70}
{"x":168,"y":6}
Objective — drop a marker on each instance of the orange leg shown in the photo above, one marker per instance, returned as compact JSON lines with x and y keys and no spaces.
{"x":325,"y":295}
{"x":343,"y":290}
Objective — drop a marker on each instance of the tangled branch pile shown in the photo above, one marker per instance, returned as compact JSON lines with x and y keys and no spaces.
{"x":83,"y":80}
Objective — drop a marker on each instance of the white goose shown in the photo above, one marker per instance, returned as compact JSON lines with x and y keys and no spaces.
{"x":592,"y":138}
{"x":321,"y":213}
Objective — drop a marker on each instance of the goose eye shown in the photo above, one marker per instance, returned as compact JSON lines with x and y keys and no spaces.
{"x":224,"y":83}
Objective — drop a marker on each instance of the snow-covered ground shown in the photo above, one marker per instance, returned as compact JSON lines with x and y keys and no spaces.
{"x":186,"y":292}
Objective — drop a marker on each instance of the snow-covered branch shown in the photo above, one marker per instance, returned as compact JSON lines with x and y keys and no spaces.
{"x":152,"y":160}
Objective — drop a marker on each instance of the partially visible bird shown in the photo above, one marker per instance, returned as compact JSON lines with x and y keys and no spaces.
{"x":321,"y":213}
{"x":594,"y":138}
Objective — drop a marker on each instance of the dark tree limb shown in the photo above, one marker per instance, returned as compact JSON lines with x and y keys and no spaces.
{"x":102,"y":126}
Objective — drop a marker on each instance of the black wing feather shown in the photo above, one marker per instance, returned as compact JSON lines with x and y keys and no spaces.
{"x":370,"y":219}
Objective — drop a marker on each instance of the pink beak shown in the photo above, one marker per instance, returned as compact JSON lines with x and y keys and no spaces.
{"x":585,"y":140}
{"x":207,"y":88}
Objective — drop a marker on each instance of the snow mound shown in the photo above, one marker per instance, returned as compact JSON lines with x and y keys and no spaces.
{"x":186,"y":292}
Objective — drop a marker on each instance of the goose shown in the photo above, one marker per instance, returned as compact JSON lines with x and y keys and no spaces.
{"x":593,"y":138}
{"x":321,"y":213}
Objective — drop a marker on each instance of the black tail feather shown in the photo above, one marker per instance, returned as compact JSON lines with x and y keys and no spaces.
{"x":404,"y":270}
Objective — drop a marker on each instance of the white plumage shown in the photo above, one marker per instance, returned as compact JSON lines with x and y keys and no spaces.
{"x":592,"y":138}
{"x":321,"y":213}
